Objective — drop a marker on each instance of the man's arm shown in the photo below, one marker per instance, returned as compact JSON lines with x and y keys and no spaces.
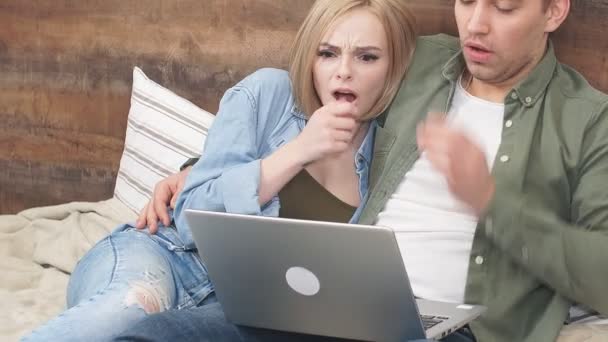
{"x":569,"y":255}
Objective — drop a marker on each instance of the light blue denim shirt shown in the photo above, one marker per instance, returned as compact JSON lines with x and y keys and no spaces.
{"x":255,"y":118}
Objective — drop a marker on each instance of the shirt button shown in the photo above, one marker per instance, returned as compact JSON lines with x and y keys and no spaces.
{"x":508,"y":123}
{"x":479,"y":260}
{"x":504,"y":158}
{"x":514,"y":95}
{"x":528,"y":99}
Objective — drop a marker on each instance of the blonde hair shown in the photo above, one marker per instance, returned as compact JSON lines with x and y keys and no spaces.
{"x":399,"y":25}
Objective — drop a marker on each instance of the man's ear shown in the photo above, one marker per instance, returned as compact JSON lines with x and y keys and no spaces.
{"x":556,"y":14}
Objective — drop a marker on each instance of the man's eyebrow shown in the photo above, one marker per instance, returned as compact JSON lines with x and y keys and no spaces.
{"x":514,"y":2}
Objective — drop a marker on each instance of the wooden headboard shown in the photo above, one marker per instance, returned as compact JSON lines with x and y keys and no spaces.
{"x":65,"y":74}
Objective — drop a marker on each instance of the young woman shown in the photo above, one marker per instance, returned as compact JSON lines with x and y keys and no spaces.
{"x":294,"y":144}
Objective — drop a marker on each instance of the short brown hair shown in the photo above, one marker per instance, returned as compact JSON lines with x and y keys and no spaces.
{"x":399,"y":25}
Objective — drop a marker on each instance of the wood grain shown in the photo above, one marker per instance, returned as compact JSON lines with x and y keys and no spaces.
{"x":65,"y":74}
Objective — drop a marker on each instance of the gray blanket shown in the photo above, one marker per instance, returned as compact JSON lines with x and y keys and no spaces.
{"x":39,"y":247}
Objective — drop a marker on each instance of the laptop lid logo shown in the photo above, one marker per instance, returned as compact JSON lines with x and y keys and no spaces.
{"x":302,"y":281}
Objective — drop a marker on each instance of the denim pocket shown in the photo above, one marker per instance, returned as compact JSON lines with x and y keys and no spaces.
{"x":169,"y":239}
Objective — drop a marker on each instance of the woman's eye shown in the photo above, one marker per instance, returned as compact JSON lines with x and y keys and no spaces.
{"x":368,"y":58}
{"x":325,"y":54}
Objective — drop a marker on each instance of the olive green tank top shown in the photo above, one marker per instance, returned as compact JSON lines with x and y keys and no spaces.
{"x":305,"y":199}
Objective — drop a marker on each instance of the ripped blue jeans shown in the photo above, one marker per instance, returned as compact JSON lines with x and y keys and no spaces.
{"x":122,"y":279}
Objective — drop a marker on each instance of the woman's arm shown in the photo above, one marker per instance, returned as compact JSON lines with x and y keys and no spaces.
{"x":231,"y":175}
{"x":329,"y":131}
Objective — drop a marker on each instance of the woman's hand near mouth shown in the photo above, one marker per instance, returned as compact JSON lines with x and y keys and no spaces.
{"x":329,"y":130}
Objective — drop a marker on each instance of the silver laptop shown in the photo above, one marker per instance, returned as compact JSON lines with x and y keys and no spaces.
{"x":320,"y":278}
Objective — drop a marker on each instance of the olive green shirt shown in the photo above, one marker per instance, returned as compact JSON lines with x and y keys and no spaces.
{"x":543,"y":243}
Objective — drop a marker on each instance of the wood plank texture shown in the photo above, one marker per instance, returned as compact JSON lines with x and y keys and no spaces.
{"x":65,"y":74}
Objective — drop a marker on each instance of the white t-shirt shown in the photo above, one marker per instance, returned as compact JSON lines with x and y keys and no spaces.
{"x":434,"y":229}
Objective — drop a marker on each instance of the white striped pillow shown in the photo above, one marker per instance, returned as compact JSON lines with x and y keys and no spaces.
{"x":163,"y":131}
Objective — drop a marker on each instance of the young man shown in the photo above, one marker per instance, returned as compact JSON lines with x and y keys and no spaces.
{"x":498,"y":198}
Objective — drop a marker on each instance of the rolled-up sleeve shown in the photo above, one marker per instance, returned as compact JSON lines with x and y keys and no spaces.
{"x":227,"y":176}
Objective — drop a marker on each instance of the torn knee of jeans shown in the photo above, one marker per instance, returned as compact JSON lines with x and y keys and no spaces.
{"x":152,"y":298}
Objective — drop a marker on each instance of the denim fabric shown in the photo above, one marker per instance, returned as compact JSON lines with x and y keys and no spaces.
{"x":100,"y":298}
{"x":208,"y":323}
{"x":255,"y":118}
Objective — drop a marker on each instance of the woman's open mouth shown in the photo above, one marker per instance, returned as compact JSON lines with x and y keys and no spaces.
{"x":344,"y":95}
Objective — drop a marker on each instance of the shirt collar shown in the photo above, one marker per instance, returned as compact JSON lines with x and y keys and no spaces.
{"x":528,"y":91}
{"x":295,"y":111}
{"x":366,"y":149}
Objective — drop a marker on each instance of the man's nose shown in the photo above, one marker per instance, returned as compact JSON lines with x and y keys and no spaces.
{"x":478,"y":22}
